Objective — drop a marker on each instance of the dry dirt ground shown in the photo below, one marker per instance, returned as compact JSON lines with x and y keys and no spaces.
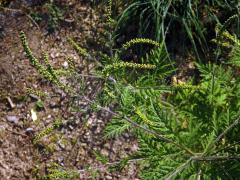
{"x":72,"y":145}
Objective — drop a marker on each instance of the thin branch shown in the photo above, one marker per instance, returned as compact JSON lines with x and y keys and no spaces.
{"x":199,"y":175}
{"x":224,"y":170}
{"x":227,"y":147}
{"x":178,"y":170}
{"x":33,"y":21}
{"x":133,"y":123}
{"x":200,"y":158}
{"x":236,"y":122}
{"x":109,"y":164}
{"x":90,"y":76}
{"x":10,"y":102}
{"x":215,"y":158}
{"x":17,"y":133}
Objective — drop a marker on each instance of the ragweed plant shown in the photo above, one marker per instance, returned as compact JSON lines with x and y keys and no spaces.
{"x":81,"y":51}
{"x":34,"y":61}
{"x":36,"y":92}
{"x":49,"y":67}
{"x":140,"y":41}
{"x":55,"y":171}
{"x":224,"y":38}
{"x":184,"y":130}
{"x":119,"y":65}
{"x":46,"y":131}
{"x":225,"y":25}
{"x":71,"y":64}
{"x":47,"y":72}
{"x":109,"y":12}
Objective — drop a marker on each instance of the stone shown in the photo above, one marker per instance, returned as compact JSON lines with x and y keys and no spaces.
{"x":12,"y":119}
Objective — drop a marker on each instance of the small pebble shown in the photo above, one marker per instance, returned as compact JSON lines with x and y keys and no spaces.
{"x":12,"y":119}
{"x":61,"y":145}
{"x":108,"y":177}
{"x":29,"y":131}
{"x":34,"y":96}
{"x":65,"y":64}
{"x":71,"y":127}
{"x":53,"y":105}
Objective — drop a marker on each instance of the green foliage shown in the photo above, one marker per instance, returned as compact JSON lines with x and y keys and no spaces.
{"x":184,"y":131}
{"x":55,"y":16}
{"x":235,"y":59}
{"x":39,"y":105}
{"x":116,"y":66}
{"x":55,"y":171}
{"x":187,"y":130}
{"x":36,"y":92}
{"x":48,"y":72}
{"x":49,"y":12}
{"x":81,"y":51}
{"x":46,"y":131}
{"x":37,"y":17}
{"x":100,"y":157}
{"x":140,"y":41}
{"x":116,"y":128}
{"x":109,"y":12}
